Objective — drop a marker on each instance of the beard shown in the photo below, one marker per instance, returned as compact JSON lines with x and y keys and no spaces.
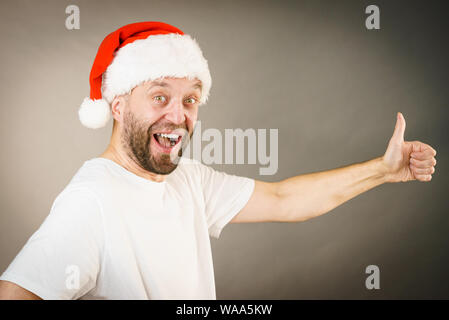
{"x":136,"y":140}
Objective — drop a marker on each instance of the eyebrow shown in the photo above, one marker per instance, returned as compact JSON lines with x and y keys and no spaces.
{"x":197,"y":85}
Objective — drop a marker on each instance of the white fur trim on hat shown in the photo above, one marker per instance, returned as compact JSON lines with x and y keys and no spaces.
{"x":94,"y":114}
{"x":163,"y":55}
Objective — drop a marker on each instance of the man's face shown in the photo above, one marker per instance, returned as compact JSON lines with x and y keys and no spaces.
{"x":159,"y":116}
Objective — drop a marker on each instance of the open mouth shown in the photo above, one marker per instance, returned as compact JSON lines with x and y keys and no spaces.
{"x":167,"y":140}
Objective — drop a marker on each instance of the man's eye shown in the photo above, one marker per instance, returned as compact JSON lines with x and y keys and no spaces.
{"x":160,"y":98}
{"x":191,"y":100}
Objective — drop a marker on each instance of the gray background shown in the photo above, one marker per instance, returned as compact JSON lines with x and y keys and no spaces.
{"x":310,"y":69}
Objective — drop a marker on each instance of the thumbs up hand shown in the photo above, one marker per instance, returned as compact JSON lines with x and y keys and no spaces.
{"x":407,"y":160}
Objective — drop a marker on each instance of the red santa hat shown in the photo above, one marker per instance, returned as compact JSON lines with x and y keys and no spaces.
{"x":136,"y":53}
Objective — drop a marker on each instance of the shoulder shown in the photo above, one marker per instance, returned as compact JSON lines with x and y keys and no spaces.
{"x":76,"y":205}
{"x":92,"y":172}
{"x":76,"y":194}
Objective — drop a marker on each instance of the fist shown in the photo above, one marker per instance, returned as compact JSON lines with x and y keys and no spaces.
{"x":407,"y":160}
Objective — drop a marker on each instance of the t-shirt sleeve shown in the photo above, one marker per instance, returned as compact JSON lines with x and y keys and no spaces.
{"x":225,"y":195}
{"x":61,"y":260}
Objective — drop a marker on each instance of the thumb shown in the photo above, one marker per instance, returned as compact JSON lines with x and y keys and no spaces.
{"x":399,"y":129}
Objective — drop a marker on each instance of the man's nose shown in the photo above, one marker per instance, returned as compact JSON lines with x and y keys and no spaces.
{"x":175,"y":112}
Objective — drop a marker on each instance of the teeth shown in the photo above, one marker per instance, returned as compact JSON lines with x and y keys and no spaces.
{"x":169,"y":136}
{"x":173,"y":138}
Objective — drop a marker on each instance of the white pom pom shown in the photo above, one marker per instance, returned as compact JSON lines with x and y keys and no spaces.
{"x":94,"y":114}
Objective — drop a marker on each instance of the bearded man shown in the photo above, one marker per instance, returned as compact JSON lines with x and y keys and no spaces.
{"x":135,"y":222}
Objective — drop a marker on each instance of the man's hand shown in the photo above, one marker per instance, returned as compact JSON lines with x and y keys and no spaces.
{"x":407,"y":160}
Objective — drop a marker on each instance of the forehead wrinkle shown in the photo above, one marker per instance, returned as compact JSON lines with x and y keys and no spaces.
{"x":156,"y":83}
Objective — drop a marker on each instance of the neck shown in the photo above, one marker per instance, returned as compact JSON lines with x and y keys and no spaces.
{"x":115,"y":152}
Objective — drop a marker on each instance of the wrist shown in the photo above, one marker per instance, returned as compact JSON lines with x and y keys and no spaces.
{"x":383,"y":170}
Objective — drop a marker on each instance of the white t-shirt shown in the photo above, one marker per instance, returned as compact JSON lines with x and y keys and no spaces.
{"x":111,"y":234}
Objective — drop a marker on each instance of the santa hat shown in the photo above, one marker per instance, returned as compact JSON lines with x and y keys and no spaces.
{"x":136,"y":53}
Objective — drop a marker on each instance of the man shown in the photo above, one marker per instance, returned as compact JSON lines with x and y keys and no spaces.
{"x":134,"y":223}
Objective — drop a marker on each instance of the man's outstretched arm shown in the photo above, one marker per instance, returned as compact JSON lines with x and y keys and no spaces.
{"x":310,"y":195}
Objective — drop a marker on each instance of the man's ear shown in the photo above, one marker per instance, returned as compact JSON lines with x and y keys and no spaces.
{"x":118,"y":106}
